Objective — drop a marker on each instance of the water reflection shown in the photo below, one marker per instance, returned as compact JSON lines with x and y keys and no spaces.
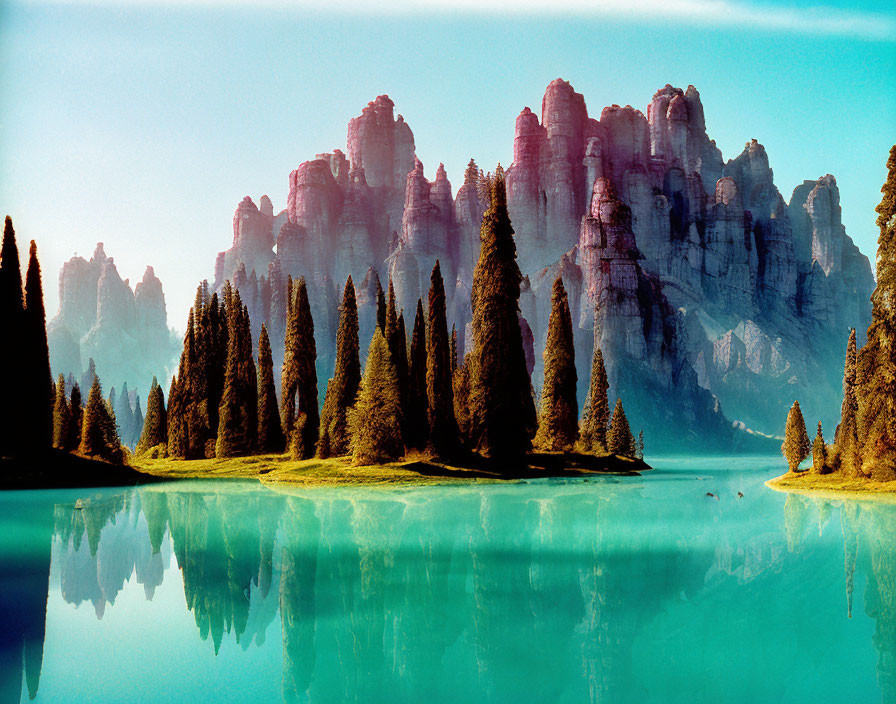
{"x":556,"y":593}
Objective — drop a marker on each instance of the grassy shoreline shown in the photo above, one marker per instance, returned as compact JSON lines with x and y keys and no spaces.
{"x":415,"y":470}
{"x":834,"y":486}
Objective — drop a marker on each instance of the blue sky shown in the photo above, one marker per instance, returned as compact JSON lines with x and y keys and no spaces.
{"x":143,"y":124}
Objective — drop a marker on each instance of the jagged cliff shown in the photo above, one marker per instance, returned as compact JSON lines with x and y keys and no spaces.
{"x":713,"y":299}
{"x":124,"y":330}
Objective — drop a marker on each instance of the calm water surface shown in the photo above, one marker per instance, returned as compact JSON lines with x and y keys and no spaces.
{"x":635,"y":589}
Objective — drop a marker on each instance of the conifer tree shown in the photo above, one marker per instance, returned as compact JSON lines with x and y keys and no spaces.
{"x":62,"y":417}
{"x":233,"y":422}
{"x":620,"y":440}
{"x":639,"y":453}
{"x":877,"y":398}
{"x":795,"y":447}
{"x":342,"y":389}
{"x":397,"y":343}
{"x":847,"y":438}
{"x":376,"y":418}
{"x":88,"y":376}
{"x":99,"y":438}
{"x":37,"y":399}
{"x":12,"y":315}
{"x":558,"y":424}
{"x":417,"y":406}
{"x":138,"y":422}
{"x":461,"y":381}
{"x":123,"y":414}
{"x":443,"y":434}
{"x":503,"y":412}
{"x":270,"y":432}
{"x":819,"y":452}
{"x":155,"y":425}
{"x":596,"y":420}
{"x":380,"y":307}
{"x":299,"y":411}
{"x":453,"y":350}
{"x":77,"y":418}
{"x":175,"y":421}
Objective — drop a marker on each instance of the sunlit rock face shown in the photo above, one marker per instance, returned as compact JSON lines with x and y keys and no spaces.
{"x":706,"y":290}
{"x":124,"y":330}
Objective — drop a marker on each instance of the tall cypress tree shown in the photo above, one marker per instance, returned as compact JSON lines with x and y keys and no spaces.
{"x":593,"y":434}
{"x":559,"y":422}
{"x":12,"y":350}
{"x":62,"y":417}
{"x":443,"y":434}
{"x":233,"y":422}
{"x":847,"y":433}
{"x":155,"y":425}
{"x":397,"y":343}
{"x":380,"y":307}
{"x":877,"y":398}
{"x":795,"y":447}
{"x":620,"y":440}
{"x":461,"y":382}
{"x":38,"y":397}
{"x":77,"y":411}
{"x":342,"y":390}
{"x":376,"y":418}
{"x":298,"y":411}
{"x":416,"y":406}
{"x":270,"y":432}
{"x":503,"y":413}
{"x":819,"y":452}
{"x":175,"y":421}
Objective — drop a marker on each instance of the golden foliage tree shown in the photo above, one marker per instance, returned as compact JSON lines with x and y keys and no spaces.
{"x":819,"y":452}
{"x":558,"y":424}
{"x":593,"y":433}
{"x":795,"y":447}
{"x":376,"y":418}
{"x":620,"y":440}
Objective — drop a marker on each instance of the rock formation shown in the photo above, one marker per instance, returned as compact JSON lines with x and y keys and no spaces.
{"x":706,"y":290}
{"x":124,"y":331}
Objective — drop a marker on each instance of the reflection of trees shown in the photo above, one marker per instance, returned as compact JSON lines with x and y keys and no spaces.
{"x":224,"y":547}
{"x":869,"y":546}
{"x":24,"y":578}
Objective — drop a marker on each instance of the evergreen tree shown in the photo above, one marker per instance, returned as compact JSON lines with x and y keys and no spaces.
{"x":155,"y":425}
{"x":62,"y":417}
{"x":639,"y":453}
{"x":620,"y":440}
{"x":819,"y":453}
{"x":596,"y":420}
{"x":12,"y":315}
{"x":376,"y":418}
{"x":233,"y":422}
{"x":453,"y":350}
{"x":443,"y":434}
{"x":124,"y":414}
{"x":37,"y":399}
{"x":416,"y":408}
{"x":397,"y":343}
{"x":138,"y":422}
{"x":503,"y":413}
{"x":342,"y":389}
{"x":175,"y":421}
{"x":99,"y":438}
{"x":847,"y":437}
{"x":299,"y":410}
{"x":877,"y":400}
{"x":88,"y":376}
{"x":795,"y":447}
{"x":270,"y":432}
{"x":77,"y":418}
{"x":461,"y":382}
{"x":380,"y":307}
{"x":559,"y":426}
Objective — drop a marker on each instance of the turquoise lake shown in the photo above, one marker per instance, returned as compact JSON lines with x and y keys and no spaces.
{"x":613,"y":589}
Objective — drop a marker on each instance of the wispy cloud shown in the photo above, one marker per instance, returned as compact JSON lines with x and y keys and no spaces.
{"x":819,"y":20}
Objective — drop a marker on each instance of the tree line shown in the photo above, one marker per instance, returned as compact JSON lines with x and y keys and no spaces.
{"x":864,"y":444}
{"x":412,"y":395}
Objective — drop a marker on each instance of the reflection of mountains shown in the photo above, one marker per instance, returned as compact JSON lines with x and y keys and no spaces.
{"x":464,"y":594}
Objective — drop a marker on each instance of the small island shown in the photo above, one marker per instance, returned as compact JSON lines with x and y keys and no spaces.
{"x":862,"y":457}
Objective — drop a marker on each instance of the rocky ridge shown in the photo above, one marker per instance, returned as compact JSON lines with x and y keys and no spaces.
{"x":707,"y":291}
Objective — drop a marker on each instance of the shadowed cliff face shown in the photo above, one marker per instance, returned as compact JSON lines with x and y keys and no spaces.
{"x":710,"y":294}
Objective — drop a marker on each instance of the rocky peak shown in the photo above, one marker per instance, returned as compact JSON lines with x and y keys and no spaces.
{"x":99,"y":255}
{"x":381,"y":145}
